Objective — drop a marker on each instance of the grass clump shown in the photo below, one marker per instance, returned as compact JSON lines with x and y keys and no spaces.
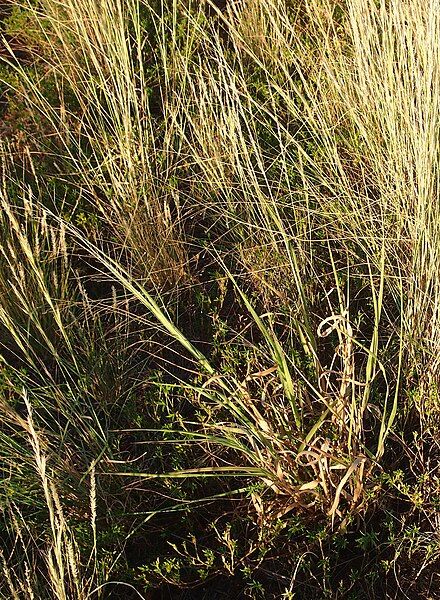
{"x":219,"y":300}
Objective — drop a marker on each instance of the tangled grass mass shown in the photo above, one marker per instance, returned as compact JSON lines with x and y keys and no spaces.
{"x":219,"y":299}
